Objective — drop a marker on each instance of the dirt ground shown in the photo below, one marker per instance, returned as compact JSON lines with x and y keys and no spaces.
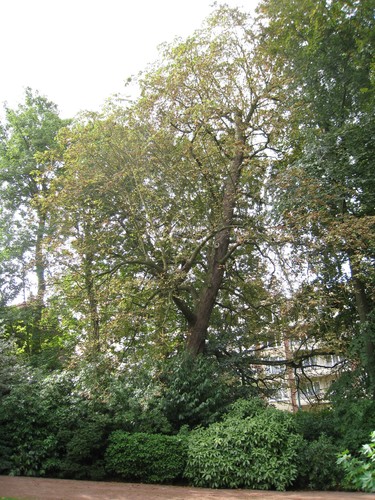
{"x":25,"y":488}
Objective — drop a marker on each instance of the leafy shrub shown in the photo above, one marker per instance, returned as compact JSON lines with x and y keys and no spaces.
{"x":243,"y":408}
{"x":353,"y":407}
{"x":80,"y":425}
{"x":313,"y":424}
{"x":152,"y":458}
{"x":48,"y":428}
{"x":258,"y":451}
{"x":186,"y":391}
{"x":317,"y":468}
{"x":24,"y":430}
{"x":82,"y":450}
{"x":194,"y":391}
{"x":355,"y":420}
{"x":12,"y":372}
{"x":135,"y":405}
{"x":360,"y":473}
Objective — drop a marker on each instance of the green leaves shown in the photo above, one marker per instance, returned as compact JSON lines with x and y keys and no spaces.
{"x":323,"y":184}
{"x":360,"y":473}
{"x":144,"y":457}
{"x":157,"y":197}
{"x":27,"y":166}
{"x":257,"y":451}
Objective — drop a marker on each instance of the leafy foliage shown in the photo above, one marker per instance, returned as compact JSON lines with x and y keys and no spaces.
{"x":327,"y":432}
{"x":354,"y":418}
{"x":48,"y":427}
{"x":184,"y":391}
{"x":317,"y":468}
{"x":258,"y":451}
{"x":166,"y":234}
{"x":360,"y":472}
{"x":27,"y":134}
{"x":324,"y":179}
{"x":144,"y":457}
{"x":313,"y":424}
{"x":195,"y":392}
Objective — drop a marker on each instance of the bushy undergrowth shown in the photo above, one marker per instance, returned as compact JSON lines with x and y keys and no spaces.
{"x":360,"y":470}
{"x":354,"y":420}
{"x":77,"y":423}
{"x":151,"y":458}
{"x":58,"y":424}
{"x":253,"y":447}
{"x":317,"y":468}
{"x":194,"y":391}
{"x":49,"y":429}
{"x":311,"y":424}
{"x":186,"y":392}
{"x":327,"y":432}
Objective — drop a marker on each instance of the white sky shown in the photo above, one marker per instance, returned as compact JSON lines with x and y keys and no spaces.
{"x":79,"y":52}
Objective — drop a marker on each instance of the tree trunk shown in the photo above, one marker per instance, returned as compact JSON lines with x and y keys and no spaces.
{"x":36,"y":342}
{"x":216,"y":266}
{"x":290,"y":375}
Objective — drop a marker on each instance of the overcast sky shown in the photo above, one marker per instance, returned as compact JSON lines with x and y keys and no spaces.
{"x":79,"y":52}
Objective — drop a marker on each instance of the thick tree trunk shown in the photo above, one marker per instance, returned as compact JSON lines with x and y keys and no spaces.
{"x":198,"y":331}
{"x":361,"y":300}
{"x":216,"y":266}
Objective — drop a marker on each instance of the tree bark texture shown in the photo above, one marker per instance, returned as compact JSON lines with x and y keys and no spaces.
{"x":216,"y":266}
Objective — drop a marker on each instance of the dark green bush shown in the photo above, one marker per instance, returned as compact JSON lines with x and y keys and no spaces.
{"x":186,"y":391}
{"x":82,"y":450}
{"x":24,"y":432}
{"x":317,"y":468}
{"x":80,"y":424}
{"x":135,"y":405}
{"x":152,"y":458}
{"x":48,"y":429}
{"x":244,"y":408}
{"x":194,"y":391}
{"x":345,"y":426}
{"x":312,"y":424}
{"x":355,"y":420}
{"x":258,"y":451}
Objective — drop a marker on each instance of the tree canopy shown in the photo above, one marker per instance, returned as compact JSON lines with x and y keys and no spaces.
{"x":227,"y":209}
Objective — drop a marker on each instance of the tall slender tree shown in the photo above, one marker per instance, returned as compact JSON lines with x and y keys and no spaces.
{"x":28,"y":132}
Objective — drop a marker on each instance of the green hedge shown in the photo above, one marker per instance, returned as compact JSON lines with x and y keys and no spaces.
{"x":151,"y":458}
